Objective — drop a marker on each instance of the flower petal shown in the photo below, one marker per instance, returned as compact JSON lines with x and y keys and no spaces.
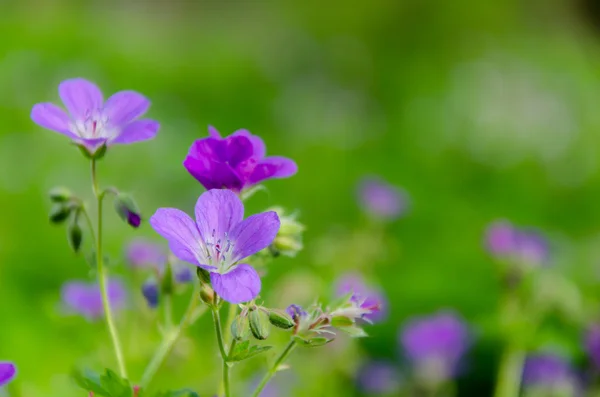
{"x":213,"y":132}
{"x":213,"y":175}
{"x":218,"y":211}
{"x":124,"y":107}
{"x":181,"y":233}
{"x":81,"y":97}
{"x":139,"y":130}
{"x":258,"y":145}
{"x":50,"y":116}
{"x":253,"y":234}
{"x":273,"y":167}
{"x":241,"y":284}
{"x":7,"y":372}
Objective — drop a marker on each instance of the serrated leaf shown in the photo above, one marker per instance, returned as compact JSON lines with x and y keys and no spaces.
{"x":177,"y":393}
{"x":354,"y":331}
{"x":89,"y":380}
{"x":115,"y":385}
{"x":240,"y":350}
{"x":246,"y":353}
{"x":341,"y":321}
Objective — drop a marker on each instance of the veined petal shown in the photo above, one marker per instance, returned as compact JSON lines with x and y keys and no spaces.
{"x":258,"y":145}
{"x":273,"y":167}
{"x":213,"y":132}
{"x":241,"y":284}
{"x":139,"y":130}
{"x":235,"y":149}
{"x":124,"y":107}
{"x":81,"y":97}
{"x":218,"y":211}
{"x":182,"y":234}
{"x":253,"y":234}
{"x":50,"y":116}
{"x":7,"y":372}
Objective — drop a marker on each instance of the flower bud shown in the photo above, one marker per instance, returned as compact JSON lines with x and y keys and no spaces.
{"x":259,"y":324}
{"x":128,"y":209}
{"x":240,"y":327}
{"x":151,"y":293}
{"x":59,"y":213}
{"x":280,"y":319}
{"x":60,"y":195}
{"x":203,"y":275}
{"x":74,"y":235}
{"x":289,"y":237}
{"x":207,"y":295}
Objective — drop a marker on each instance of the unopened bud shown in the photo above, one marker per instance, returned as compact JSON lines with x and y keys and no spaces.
{"x":203,"y":275}
{"x":59,"y":213}
{"x":280,"y":319}
{"x":259,"y":324}
{"x":289,"y":237}
{"x":74,"y":235}
{"x":207,"y":295}
{"x":60,"y":195}
{"x":128,"y":209}
{"x":240,"y":327}
{"x":151,"y":293}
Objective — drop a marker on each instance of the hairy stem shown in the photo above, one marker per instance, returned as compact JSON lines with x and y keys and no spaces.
{"x":273,"y":370}
{"x":102,"y":279}
{"x":220,"y":342}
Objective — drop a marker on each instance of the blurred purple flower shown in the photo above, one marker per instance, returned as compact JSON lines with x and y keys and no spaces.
{"x":151,"y":293}
{"x":8,"y":371}
{"x":367,"y":297}
{"x":218,"y":240}
{"x":86,"y":299}
{"x":235,"y":162}
{"x":379,"y":377}
{"x":592,"y":344}
{"x":435,"y":344}
{"x":143,"y":253}
{"x":92,"y":122}
{"x":380,"y":199}
{"x":504,"y":240}
{"x":550,"y":372}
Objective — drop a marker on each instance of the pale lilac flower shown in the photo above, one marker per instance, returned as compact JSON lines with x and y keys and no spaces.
{"x":505,"y":241}
{"x":86,"y":299}
{"x":379,"y":377}
{"x":435,"y":344}
{"x":592,"y":344}
{"x":8,"y":371}
{"x":550,"y":373}
{"x":218,"y":240}
{"x":369,"y":298}
{"x":235,"y":162}
{"x":380,"y":199}
{"x":91,"y":121}
{"x":142,"y":253}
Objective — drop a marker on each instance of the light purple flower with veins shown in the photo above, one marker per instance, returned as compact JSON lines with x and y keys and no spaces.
{"x":218,"y":240}
{"x":86,"y":299}
{"x":90,"y":121}
{"x":235,"y":162}
{"x":8,"y":371}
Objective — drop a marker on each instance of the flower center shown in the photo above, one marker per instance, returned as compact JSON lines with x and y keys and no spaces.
{"x":95,"y":125}
{"x":220,"y":251}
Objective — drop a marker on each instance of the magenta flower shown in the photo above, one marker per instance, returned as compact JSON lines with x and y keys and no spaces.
{"x":90,"y":121}
{"x":436,"y":343}
{"x":380,"y":199}
{"x":85,"y":298}
{"x":369,"y":298}
{"x":218,"y":240}
{"x":506,"y":241}
{"x":236,"y":162}
{"x":8,"y":372}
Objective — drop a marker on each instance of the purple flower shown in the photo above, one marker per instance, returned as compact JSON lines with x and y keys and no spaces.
{"x":368,"y":298}
{"x":551,"y":373}
{"x":151,"y":293}
{"x":90,"y":121}
{"x":296,"y":312}
{"x":379,"y":377}
{"x":86,"y":299}
{"x":235,"y":162}
{"x":504,"y":240}
{"x":7,"y":372}
{"x":380,"y":199}
{"x":143,"y":253}
{"x":592,"y":344}
{"x":218,"y":240}
{"x":435,"y":344}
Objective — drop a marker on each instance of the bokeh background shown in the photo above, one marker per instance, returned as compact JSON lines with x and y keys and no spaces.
{"x":479,"y":110}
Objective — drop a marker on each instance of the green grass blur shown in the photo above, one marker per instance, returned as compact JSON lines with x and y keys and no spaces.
{"x":480,"y":110}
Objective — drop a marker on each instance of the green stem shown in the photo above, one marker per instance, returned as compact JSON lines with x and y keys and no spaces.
{"x":102,"y":279}
{"x":168,"y":311}
{"x":169,"y":339}
{"x":509,"y":374}
{"x":286,"y":352}
{"x":230,"y":317}
{"x":220,"y":342}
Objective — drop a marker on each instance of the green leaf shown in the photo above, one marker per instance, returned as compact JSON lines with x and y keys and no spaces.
{"x":115,"y":385}
{"x":341,"y":321}
{"x":312,"y":342}
{"x":89,"y":380}
{"x":354,"y":331}
{"x":245,"y":351}
{"x":177,"y":393}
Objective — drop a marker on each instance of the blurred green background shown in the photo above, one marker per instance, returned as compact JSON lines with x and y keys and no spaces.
{"x":480,"y":110}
